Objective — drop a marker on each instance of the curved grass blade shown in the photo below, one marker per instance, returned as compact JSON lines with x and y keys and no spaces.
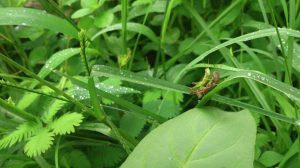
{"x":253,"y":108}
{"x":58,"y":58}
{"x":246,"y":37}
{"x":102,"y":70}
{"x":134,"y":108}
{"x":289,"y":91}
{"x":218,"y":66}
{"x":134,"y":27}
{"x":8,"y":84}
{"x":80,"y":93}
{"x":36,"y":18}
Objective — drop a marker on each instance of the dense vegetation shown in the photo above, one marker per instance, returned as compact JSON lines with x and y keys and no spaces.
{"x":149,"y":83}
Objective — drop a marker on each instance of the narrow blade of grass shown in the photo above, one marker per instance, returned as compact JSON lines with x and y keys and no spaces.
{"x":16,"y":112}
{"x":8,"y":84}
{"x":134,"y":108}
{"x":58,"y":58}
{"x":271,"y":114}
{"x":102,"y":70}
{"x":291,"y":92}
{"x":246,"y":37}
{"x":94,"y":99}
{"x":134,"y":27}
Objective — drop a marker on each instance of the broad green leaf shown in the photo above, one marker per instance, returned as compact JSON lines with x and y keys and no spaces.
{"x":270,"y":158}
{"x":172,"y":35}
{"x":86,"y":23}
{"x":151,"y":96}
{"x":166,"y":104}
{"x":102,"y":70}
{"x":207,"y":137}
{"x":134,"y":27}
{"x":37,"y":55}
{"x":107,"y":156}
{"x":39,"y":143}
{"x":36,"y":18}
{"x":165,"y":108}
{"x":104,"y":19}
{"x":141,"y":2}
{"x":89,"y":3}
{"x":82,"y":12}
{"x":77,"y":159}
{"x":131,"y":124}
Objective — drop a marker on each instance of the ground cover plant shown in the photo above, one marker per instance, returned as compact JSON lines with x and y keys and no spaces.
{"x":149,"y":83}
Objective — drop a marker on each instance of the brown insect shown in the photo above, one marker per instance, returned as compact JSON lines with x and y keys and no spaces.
{"x":210,"y":85}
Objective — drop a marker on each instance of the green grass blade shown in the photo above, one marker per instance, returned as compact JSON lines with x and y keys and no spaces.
{"x":246,"y":37}
{"x":46,"y":83}
{"x":102,"y":70}
{"x":291,"y":92}
{"x":218,"y":66}
{"x":94,"y":99}
{"x":58,"y":58}
{"x":16,"y":112}
{"x":36,"y":18}
{"x":134,"y":27}
{"x":163,"y":39}
{"x":138,"y":38}
{"x":263,"y":11}
{"x":134,"y":108}
{"x":172,"y":60}
{"x":271,"y":114}
{"x":124,"y":25}
{"x":8,"y":84}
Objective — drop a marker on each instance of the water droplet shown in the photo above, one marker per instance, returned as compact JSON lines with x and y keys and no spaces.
{"x":297,"y":122}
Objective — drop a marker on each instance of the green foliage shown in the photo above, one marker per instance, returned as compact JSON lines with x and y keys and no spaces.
{"x":106,"y":156}
{"x":23,"y":132}
{"x":39,"y":143}
{"x":66,"y":123}
{"x":208,"y":143}
{"x":41,"y":138}
{"x":133,"y":68}
{"x":76,"y":159}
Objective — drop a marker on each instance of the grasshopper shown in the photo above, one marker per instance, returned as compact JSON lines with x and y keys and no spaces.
{"x":206,"y":84}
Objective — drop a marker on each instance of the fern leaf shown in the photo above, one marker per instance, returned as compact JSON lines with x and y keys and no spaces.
{"x":23,"y":132}
{"x":66,"y":123}
{"x":39,"y":143}
{"x":52,"y":109}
